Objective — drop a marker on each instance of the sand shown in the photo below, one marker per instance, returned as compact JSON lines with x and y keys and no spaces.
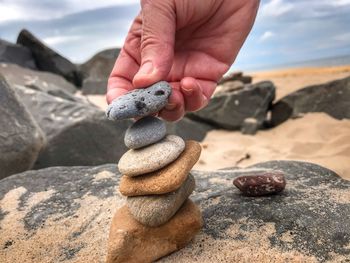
{"x":316,"y":138}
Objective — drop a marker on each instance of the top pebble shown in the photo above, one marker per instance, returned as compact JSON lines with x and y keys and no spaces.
{"x":140,"y":102}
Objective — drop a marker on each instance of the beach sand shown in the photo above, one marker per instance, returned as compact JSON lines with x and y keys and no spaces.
{"x":316,"y":137}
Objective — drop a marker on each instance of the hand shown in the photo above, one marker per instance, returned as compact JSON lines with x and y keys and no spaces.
{"x":189,"y":43}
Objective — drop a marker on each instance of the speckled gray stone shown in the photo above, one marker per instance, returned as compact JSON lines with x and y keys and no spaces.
{"x":151,"y":158}
{"x":145,"y":131}
{"x":140,"y":102}
{"x":155,"y":210}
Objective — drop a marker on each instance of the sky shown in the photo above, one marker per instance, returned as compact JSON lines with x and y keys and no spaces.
{"x":285,"y":31}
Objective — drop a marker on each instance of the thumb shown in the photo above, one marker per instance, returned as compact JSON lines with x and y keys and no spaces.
{"x":157,"y":41}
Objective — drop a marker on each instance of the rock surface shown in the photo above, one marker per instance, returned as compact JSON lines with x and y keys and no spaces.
{"x":20,"y":138}
{"x":140,"y":102}
{"x":76,"y":133}
{"x":250,"y":126}
{"x":261,"y":182}
{"x":47,"y":59}
{"x":64,"y":213}
{"x":156,"y":210}
{"x":44,"y":81}
{"x":229,"y":110}
{"x":145,"y":131}
{"x":97,"y":70}
{"x":129,"y":241}
{"x":164,"y":180}
{"x":331,"y":98}
{"x":236,"y":76}
{"x":16,"y":54}
{"x":151,"y":158}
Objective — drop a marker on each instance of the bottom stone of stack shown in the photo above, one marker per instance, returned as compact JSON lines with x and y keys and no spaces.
{"x":130,"y":241}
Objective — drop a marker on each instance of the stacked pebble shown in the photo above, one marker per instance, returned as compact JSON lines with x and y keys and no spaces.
{"x":155,"y":179}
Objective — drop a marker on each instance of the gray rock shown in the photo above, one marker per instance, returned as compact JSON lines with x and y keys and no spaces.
{"x":236,"y":76}
{"x":16,"y":54}
{"x":250,"y":126}
{"x":76,"y":133}
{"x":140,"y":102}
{"x":228,"y":86}
{"x":332,"y":98}
{"x":188,"y":129}
{"x":156,"y":210}
{"x":151,"y":158}
{"x":229,"y":110}
{"x":20,"y":137}
{"x":44,"y":81}
{"x":97,"y":70}
{"x":145,"y":131}
{"x":68,"y":210}
{"x":47,"y":59}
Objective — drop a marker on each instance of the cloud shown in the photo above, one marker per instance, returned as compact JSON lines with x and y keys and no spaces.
{"x":275,"y":8}
{"x":267,"y":35}
{"x":55,"y":40}
{"x":12,"y":10}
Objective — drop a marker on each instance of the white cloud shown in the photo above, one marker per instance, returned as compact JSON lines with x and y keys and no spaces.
{"x":340,"y":2}
{"x":42,"y":10}
{"x":56,"y":40}
{"x":267,"y":35}
{"x":275,"y":8}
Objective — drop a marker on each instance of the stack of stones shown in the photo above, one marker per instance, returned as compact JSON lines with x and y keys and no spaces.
{"x":158,"y":217}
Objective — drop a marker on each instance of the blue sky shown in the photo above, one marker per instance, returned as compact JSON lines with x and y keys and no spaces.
{"x":285,"y":31}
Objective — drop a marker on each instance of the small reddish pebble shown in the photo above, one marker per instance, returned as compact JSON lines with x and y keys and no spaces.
{"x":260,"y":183}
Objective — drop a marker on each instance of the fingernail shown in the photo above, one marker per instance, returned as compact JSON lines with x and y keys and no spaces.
{"x":170,"y":106}
{"x":146,"y":68}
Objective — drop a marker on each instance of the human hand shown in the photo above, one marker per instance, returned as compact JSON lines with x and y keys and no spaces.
{"x":189,"y":43}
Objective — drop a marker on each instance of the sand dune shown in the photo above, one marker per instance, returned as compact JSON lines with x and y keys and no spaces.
{"x":316,"y":138}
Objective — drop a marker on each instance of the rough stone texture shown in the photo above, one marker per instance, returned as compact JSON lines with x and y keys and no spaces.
{"x":259,"y":183}
{"x":332,"y":98}
{"x":229,"y":110}
{"x":76,"y":133}
{"x":156,"y":210}
{"x":236,"y":76}
{"x":20,"y":137}
{"x":16,"y":54}
{"x":140,"y":102}
{"x":47,"y":82}
{"x":164,"y":180}
{"x":151,"y":158}
{"x":228,"y":86}
{"x":188,"y":129}
{"x":97,"y":70}
{"x":145,"y":131}
{"x":47,"y":59}
{"x":64,"y":214}
{"x":130,"y":241}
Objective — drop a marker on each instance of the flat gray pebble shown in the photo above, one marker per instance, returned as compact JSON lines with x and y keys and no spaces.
{"x":145,"y":131}
{"x":140,"y":102}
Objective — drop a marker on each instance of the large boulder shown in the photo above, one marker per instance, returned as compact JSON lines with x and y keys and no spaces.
{"x":77,"y":133}
{"x":64,"y":214}
{"x":229,"y":109}
{"x":16,"y":54}
{"x":44,"y":81}
{"x":20,"y":138}
{"x":97,"y":70}
{"x":189,"y":129}
{"x":47,"y":59}
{"x":332,"y":98}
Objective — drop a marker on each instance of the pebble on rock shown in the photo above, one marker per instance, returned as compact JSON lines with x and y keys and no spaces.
{"x":260,"y":183}
{"x":151,"y":158}
{"x":145,"y":131}
{"x":155,"y":210}
{"x":165,"y":180}
{"x":140,"y":102}
{"x":130,"y":241}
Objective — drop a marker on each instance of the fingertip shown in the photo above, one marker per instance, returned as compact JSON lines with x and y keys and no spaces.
{"x":114,"y":93}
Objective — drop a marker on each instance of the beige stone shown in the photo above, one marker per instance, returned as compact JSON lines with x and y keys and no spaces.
{"x":132,"y":242}
{"x":151,"y":158}
{"x":165,"y":180}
